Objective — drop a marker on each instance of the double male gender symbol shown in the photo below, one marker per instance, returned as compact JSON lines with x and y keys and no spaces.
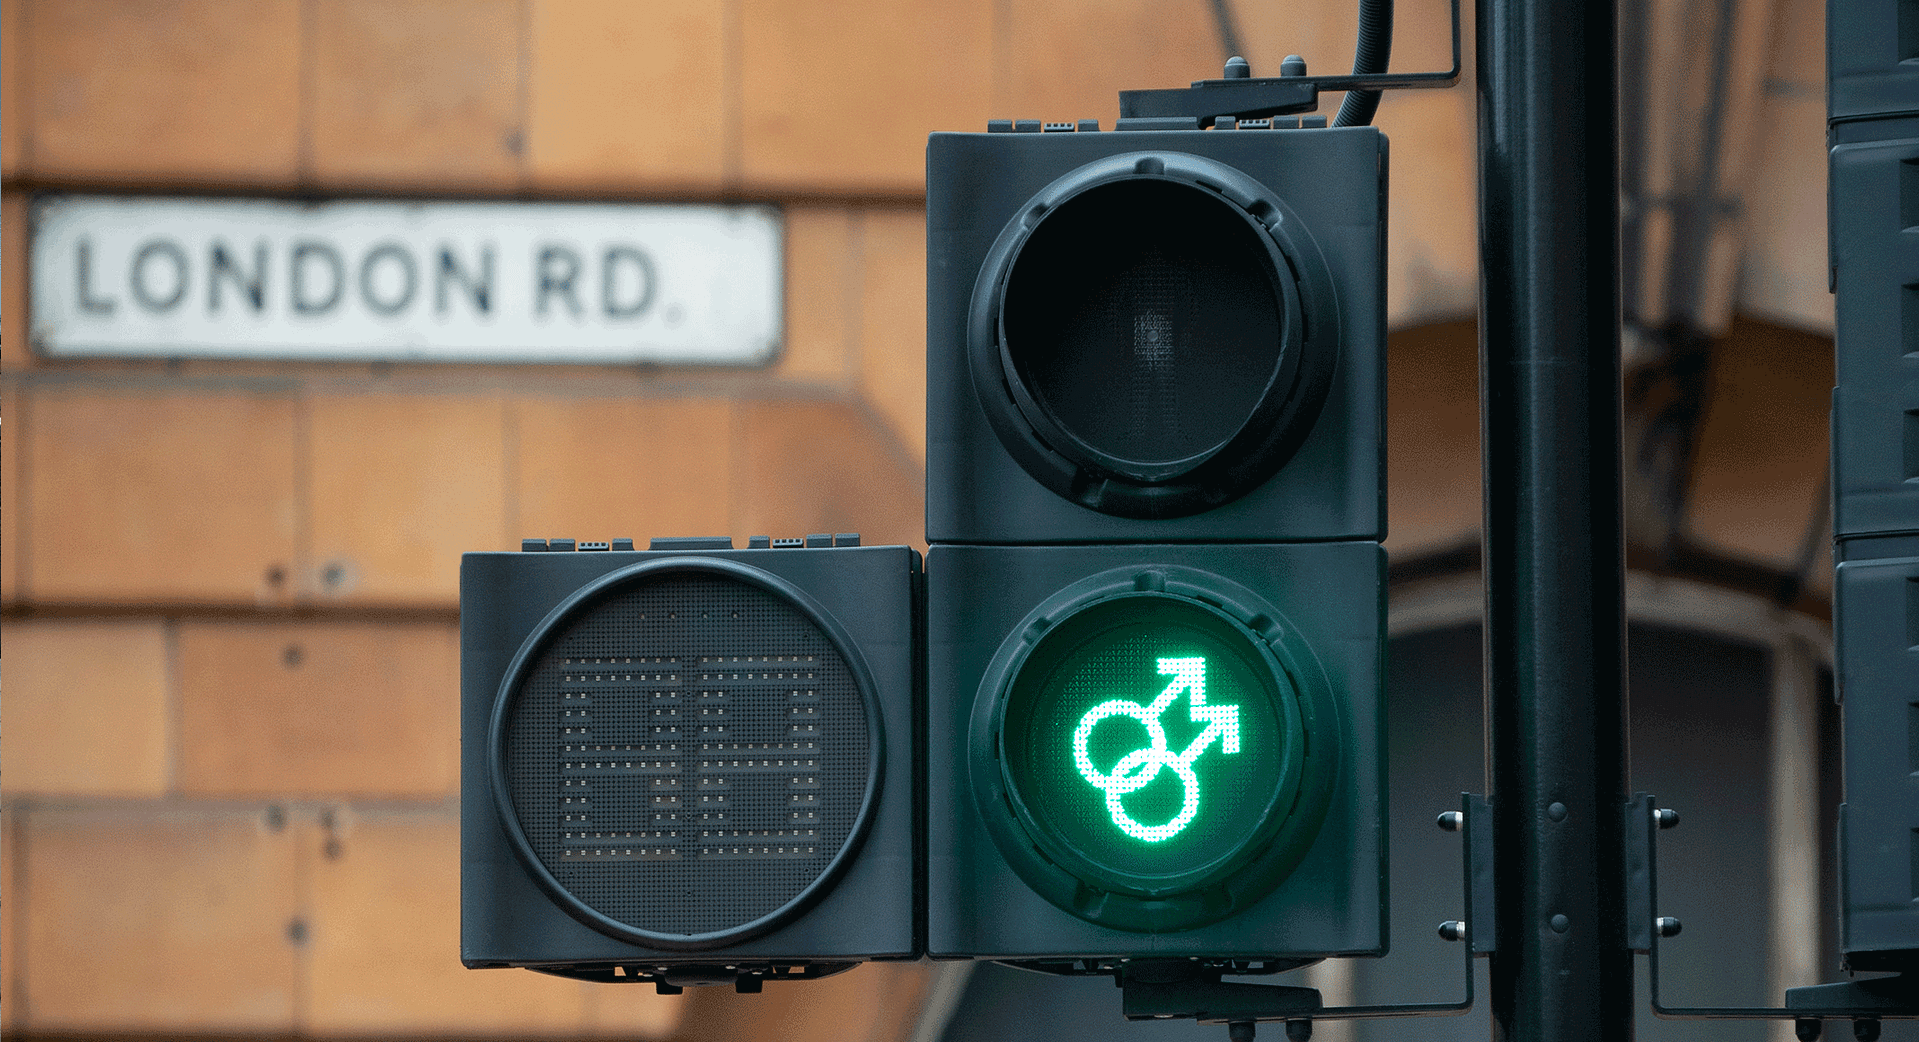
{"x":1137,"y":769}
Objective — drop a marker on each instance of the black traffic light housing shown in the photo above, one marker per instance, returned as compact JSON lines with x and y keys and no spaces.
{"x":1022,"y":865}
{"x":1873,"y":69}
{"x":692,"y":764}
{"x":1267,"y":244}
{"x":1154,"y":501}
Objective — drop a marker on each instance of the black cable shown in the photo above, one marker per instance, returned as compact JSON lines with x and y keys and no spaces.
{"x":1228,"y":31}
{"x":1370,"y":56}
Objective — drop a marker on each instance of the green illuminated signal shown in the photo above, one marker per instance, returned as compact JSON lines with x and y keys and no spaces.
{"x":1118,"y":815}
{"x":1137,"y":769}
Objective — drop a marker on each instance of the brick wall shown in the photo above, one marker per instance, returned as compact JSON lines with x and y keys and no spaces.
{"x":230,"y":718}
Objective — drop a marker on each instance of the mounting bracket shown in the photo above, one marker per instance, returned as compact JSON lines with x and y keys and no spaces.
{"x":1864,"y":1002}
{"x":1194,"y":991}
{"x":1240,"y":95}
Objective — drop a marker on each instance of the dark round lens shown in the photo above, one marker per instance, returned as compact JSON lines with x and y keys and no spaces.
{"x":1142,"y":315}
{"x":688,"y":756}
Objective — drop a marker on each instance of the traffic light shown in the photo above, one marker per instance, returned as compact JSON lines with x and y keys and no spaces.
{"x":1154,"y":584}
{"x":1874,"y":91}
{"x":691,"y":764}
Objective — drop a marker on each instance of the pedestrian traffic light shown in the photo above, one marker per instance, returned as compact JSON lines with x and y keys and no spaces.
{"x":692,"y":764}
{"x":1154,"y":509}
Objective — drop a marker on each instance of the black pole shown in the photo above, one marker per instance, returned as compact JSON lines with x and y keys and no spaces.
{"x":1555,"y":590}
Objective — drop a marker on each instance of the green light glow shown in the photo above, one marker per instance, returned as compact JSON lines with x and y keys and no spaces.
{"x":1147,"y":742}
{"x":1116,"y":802}
{"x":1137,"y":769}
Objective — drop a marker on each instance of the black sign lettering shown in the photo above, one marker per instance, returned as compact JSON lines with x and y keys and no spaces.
{"x":397,"y":254}
{"x":138,"y":276}
{"x":303,"y":253}
{"x":641,"y":296}
{"x":84,"y":269}
{"x":559,"y":269}
{"x":252,"y":286}
{"x":479,"y":290}
{"x":457,"y":280}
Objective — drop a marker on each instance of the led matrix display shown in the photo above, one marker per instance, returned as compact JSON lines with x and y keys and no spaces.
{"x":1149,"y":742}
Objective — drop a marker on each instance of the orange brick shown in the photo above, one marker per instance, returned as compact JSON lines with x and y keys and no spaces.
{"x":635,"y":1011}
{"x":598,"y":468}
{"x":1432,"y":257}
{"x":11,"y":542}
{"x":893,"y":321}
{"x":416,"y":92}
{"x":9,"y":918}
{"x":1323,"y":34}
{"x":385,"y":948}
{"x":146,"y":919}
{"x":1761,"y":455}
{"x":1782,"y":224}
{"x":821,"y":295}
{"x":15,"y":352}
{"x":12,"y":79}
{"x":121,"y":489}
{"x":402,"y":484}
{"x":86,"y":710}
{"x":813,"y":466}
{"x":1432,"y":437}
{"x":839,"y":97}
{"x":876,"y":1000}
{"x":349,"y":709}
{"x":625,"y":95}
{"x":165,"y":89}
{"x":1069,"y":59}
{"x":1819,"y":576}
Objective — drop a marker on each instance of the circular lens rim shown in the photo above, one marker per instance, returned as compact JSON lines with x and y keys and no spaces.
{"x":1236,"y":879}
{"x":1269,"y":434}
{"x":575,"y":607}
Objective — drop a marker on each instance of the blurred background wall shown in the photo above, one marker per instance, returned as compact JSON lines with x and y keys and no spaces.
{"x":228,"y":742}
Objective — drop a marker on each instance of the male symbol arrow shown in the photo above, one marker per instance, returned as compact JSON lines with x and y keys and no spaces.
{"x":1221,"y":721}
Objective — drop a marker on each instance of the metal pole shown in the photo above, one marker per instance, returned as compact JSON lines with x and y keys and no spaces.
{"x":1554,"y":554}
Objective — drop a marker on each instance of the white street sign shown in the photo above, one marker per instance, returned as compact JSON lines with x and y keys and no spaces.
{"x":596,"y":283}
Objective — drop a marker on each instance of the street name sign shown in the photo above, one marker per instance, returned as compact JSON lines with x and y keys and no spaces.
{"x":592,"y":283}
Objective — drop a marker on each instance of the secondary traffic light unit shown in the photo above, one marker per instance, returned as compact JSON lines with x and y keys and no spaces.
{"x":1155,"y":590}
{"x":692,"y":764}
{"x":1874,"y":131}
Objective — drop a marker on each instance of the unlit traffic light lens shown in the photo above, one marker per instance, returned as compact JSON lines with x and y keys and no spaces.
{"x":1146,"y":318}
{"x":1154,"y":337}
